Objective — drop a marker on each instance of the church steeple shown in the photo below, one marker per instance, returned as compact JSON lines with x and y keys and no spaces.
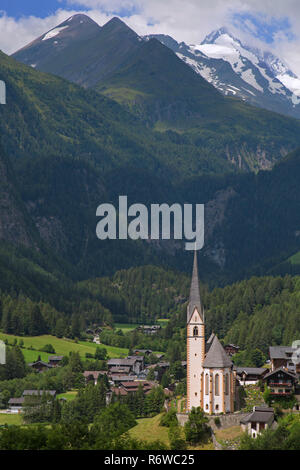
{"x":194,"y":300}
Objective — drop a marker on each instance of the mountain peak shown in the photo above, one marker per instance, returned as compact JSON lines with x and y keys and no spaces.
{"x":78,"y":18}
{"x":214,"y":35}
{"x":116,"y":25}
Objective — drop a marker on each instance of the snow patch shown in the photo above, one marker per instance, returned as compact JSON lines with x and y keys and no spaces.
{"x":54,"y":32}
{"x":291,"y":83}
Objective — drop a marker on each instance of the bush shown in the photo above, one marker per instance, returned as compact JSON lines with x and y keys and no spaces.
{"x":48,"y":348}
{"x":176,"y":440}
{"x":169,"y":419}
{"x":217,"y":421}
{"x":196,"y":429}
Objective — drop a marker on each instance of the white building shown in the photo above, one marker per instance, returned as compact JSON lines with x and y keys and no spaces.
{"x":210,"y":375}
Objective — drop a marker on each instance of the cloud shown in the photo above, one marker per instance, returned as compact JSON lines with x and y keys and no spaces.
{"x":185,"y":20}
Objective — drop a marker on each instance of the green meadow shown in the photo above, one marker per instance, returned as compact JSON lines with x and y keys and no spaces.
{"x":62,"y":346}
{"x":10,"y":419}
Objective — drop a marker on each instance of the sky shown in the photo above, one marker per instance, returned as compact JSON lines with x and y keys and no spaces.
{"x":269,"y":24}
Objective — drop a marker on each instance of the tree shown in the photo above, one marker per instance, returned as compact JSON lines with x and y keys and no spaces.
{"x":196,"y":429}
{"x":257,"y":358}
{"x":267,"y":395}
{"x":100,"y":354}
{"x":151,"y":375}
{"x":75,"y":363}
{"x":112,"y":422}
{"x":177,"y":442}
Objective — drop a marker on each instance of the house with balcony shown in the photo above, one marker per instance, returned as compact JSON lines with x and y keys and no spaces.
{"x":281,"y":382}
{"x":283,"y":356}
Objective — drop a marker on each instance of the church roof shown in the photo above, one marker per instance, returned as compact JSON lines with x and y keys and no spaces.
{"x":216,"y":356}
{"x":194,"y":300}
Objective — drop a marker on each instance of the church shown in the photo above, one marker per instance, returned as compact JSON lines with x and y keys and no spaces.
{"x":210,"y":374}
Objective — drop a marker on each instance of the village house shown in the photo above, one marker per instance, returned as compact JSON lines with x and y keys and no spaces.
{"x":16,"y":404}
{"x":55,"y":360}
{"x":149,"y":330}
{"x":40,"y":366}
{"x":250,"y":375}
{"x":258,"y":420}
{"x":135,"y":363}
{"x":27,"y":393}
{"x":117,"y":379}
{"x":133,"y":386}
{"x":143,"y":352}
{"x":281,"y":382}
{"x":282,"y":356}
{"x":125,"y":370}
{"x":93,"y":375}
{"x":231,"y":349}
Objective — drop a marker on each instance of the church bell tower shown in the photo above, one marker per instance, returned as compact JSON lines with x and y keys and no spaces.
{"x":195,"y":343}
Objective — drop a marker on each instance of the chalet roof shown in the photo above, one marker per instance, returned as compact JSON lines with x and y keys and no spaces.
{"x":94,"y":373}
{"x":130,"y":361}
{"x":122,"y":378}
{"x":119,"y":391}
{"x":55,"y":358}
{"x":136,"y":384}
{"x":251,"y":370}
{"x":280,"y":369}
{"x":194,"y":299}
{"x":280,"y":352}
{"x":41,"y":363}
{"x":136,"y":358}
{"x":143,"y":351}
{"x":163,"y":364}
{"x":216,"y":356}
{"x":120,"y":369}
{"x":16,"y":401}
{"x":260,"y":414}
{"x":39,"y":392}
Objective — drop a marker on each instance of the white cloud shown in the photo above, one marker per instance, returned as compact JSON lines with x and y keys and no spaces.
{"x":185,"y":20}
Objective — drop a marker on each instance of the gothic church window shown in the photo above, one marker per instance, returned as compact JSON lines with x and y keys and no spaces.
{"x":217,"y":381}
{"x":226,"y":384}
{"x":195,"y":331}
{"x":206,"y":384}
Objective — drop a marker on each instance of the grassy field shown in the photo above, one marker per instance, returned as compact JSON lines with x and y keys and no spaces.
{"x":69,"y":396}
{"x":125,"y":327}
{"x":62,"y":346}
{"x":230,"y":437}
{"x":148,"y":429}
{"x":162,"y":322}
{"x":6,"y":418}
{"x":295,"y":259}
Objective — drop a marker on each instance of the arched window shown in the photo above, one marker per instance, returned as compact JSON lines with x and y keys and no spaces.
{"x":195,"y":331}
{"x":226,"y":384}
{"x":217,"y":386}
{"x":206,"y":384}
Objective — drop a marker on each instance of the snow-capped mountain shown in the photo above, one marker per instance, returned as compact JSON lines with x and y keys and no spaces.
{"x":238,"y":70}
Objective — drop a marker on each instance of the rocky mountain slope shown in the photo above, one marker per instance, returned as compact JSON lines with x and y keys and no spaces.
{"x":236,"y":69}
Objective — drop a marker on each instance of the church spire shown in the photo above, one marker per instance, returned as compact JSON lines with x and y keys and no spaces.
{"x":194,"y":300}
